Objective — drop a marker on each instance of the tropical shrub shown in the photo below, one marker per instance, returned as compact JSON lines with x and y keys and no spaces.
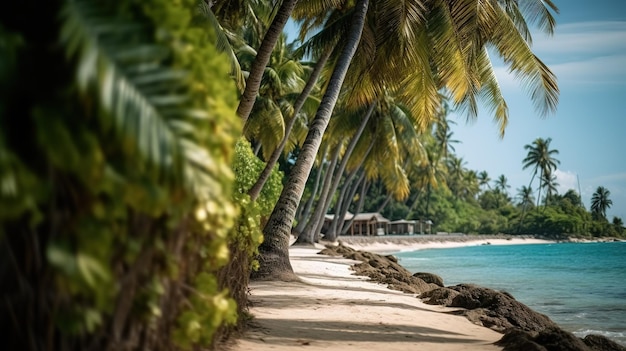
{"x":117,"y":131}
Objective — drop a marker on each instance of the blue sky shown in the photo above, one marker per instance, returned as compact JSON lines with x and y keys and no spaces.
{"x":588,"y":55}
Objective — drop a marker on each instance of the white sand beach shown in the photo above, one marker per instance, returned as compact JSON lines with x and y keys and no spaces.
{"x":331,"y":309}
{"x":389,"y":244}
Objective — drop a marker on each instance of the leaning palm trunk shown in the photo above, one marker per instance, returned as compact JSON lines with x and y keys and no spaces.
{"x":267,"y":171}
{"x":341,"y":200}
{"x":274,"y":252}
{"x":347,"y":201}
{"x":359,"y":206}
{"x":302,"y":221}
{"x":521,"y":220}
{"x":262,"y":58}
{"x":382,"y":206}
{"x":342,"y":167}
{"x":308,"y":235}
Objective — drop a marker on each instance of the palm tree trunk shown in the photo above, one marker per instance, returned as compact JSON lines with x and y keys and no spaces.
{"x":359,"y":206}
{"x":297,"y":106}
{"x":309,"y":204}
{"x":341,"y":199}
{"x":428,"y":191}
{"x":540,"y":186}
{"x":415,"y":201}
{"x":262,"y":58}
{"x":384,"y":204}
{"x":342,"y":166}
{"x":274,"y":251}
{"x":347,"y":202}
{"x":521,"y":220}
{"x":307,"y":236}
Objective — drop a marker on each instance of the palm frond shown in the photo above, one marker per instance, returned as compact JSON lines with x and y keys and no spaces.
{"x":266,"y":125}
{"x":454,"y":49}
{"x":533,"y":73}
{"x":538,"y":11}
{"x":142,"y":102}
{"x":491,"y":93}
{"x":223,"y":44}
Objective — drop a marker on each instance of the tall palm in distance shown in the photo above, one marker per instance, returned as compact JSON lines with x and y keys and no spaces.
{"x":525,"y":196}
{"x":550,"y":184}
{"x":600,"y":202}
{"x":484,"y":180}
{"x":502,"y":184}
{"x":541,"y":159}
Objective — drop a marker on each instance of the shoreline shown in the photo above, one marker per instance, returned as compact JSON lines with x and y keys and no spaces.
{"x":332,"y":307}
{"x":404,"y":243}
{"x":390,"y":244}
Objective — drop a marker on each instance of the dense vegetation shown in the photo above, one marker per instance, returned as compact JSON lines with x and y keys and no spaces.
{"x":140,"y":143}
{"x":466,"y":201}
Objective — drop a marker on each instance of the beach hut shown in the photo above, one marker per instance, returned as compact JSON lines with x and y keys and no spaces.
{"x":402,"y":227}
{"x":370,"y":223}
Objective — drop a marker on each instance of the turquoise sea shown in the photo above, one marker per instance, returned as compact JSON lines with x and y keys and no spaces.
{"x":580,"y":286}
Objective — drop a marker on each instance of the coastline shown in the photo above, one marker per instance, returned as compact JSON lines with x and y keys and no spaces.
{"x":332,"y":307}
{"x":403,"y":243}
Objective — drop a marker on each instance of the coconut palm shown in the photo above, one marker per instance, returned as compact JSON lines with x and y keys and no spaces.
{"x":456,"y":171}
{"x":298,"y":105}
{"x":502,"y":184}
{"x":600,"y":202}
{"x":525,"y":195}
{"x":274,"y":107}
{"x":273,"y":253}
{"x":436,"y":47}
{"x":484,"y":180}
{"x":541,"y":158}
{"x":253,"y":82}
{"x":443,"y":135}
{"x":551,"y":185}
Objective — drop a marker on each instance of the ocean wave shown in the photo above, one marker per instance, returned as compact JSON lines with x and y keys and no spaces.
{"x":619,"y":337}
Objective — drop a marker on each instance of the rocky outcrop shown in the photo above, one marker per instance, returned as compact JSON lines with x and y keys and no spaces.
{"x":430,"y":278}
{"x":383,"y":269}
{"x":600,"y":343}
{"x":524,"y":329}
{"x":555,"y":339}
{"x":497,"y":310}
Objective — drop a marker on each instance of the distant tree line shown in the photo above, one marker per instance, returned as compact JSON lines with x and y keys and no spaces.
{"x":458,"y":199}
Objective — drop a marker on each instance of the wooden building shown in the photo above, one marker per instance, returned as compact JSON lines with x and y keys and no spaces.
{"x":369,"y":223}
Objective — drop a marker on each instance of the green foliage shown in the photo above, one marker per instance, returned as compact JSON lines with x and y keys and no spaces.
{"x":116,"y":206}
{"x":247,"y":168}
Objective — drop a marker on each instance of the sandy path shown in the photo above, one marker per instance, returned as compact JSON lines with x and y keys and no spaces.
{"x":335,"y":310}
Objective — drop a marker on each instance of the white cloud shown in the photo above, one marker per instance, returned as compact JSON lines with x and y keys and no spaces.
{"x":567,"y":180}
{"x":574,"y":40}
{"x":580,"y":54}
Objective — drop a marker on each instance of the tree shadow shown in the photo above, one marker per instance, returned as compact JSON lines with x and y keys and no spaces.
{"x":288,"y":331}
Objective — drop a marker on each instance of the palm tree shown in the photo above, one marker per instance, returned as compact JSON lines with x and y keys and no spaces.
{"x":253,"y":82}
{"x":502,"y":184}
{"x":273,"y":109}
{"x":484,"y":180}
{"x":442,"y":39}
{"x":443,"y":135}
{"x":541,"y":158}
{"x":525,"y":194}
{"x":273,"y":252}
{"x":550,"y":184}
{"x":600,"y":202}
{"x":255,"y":190}
{"x":456,"y":170}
